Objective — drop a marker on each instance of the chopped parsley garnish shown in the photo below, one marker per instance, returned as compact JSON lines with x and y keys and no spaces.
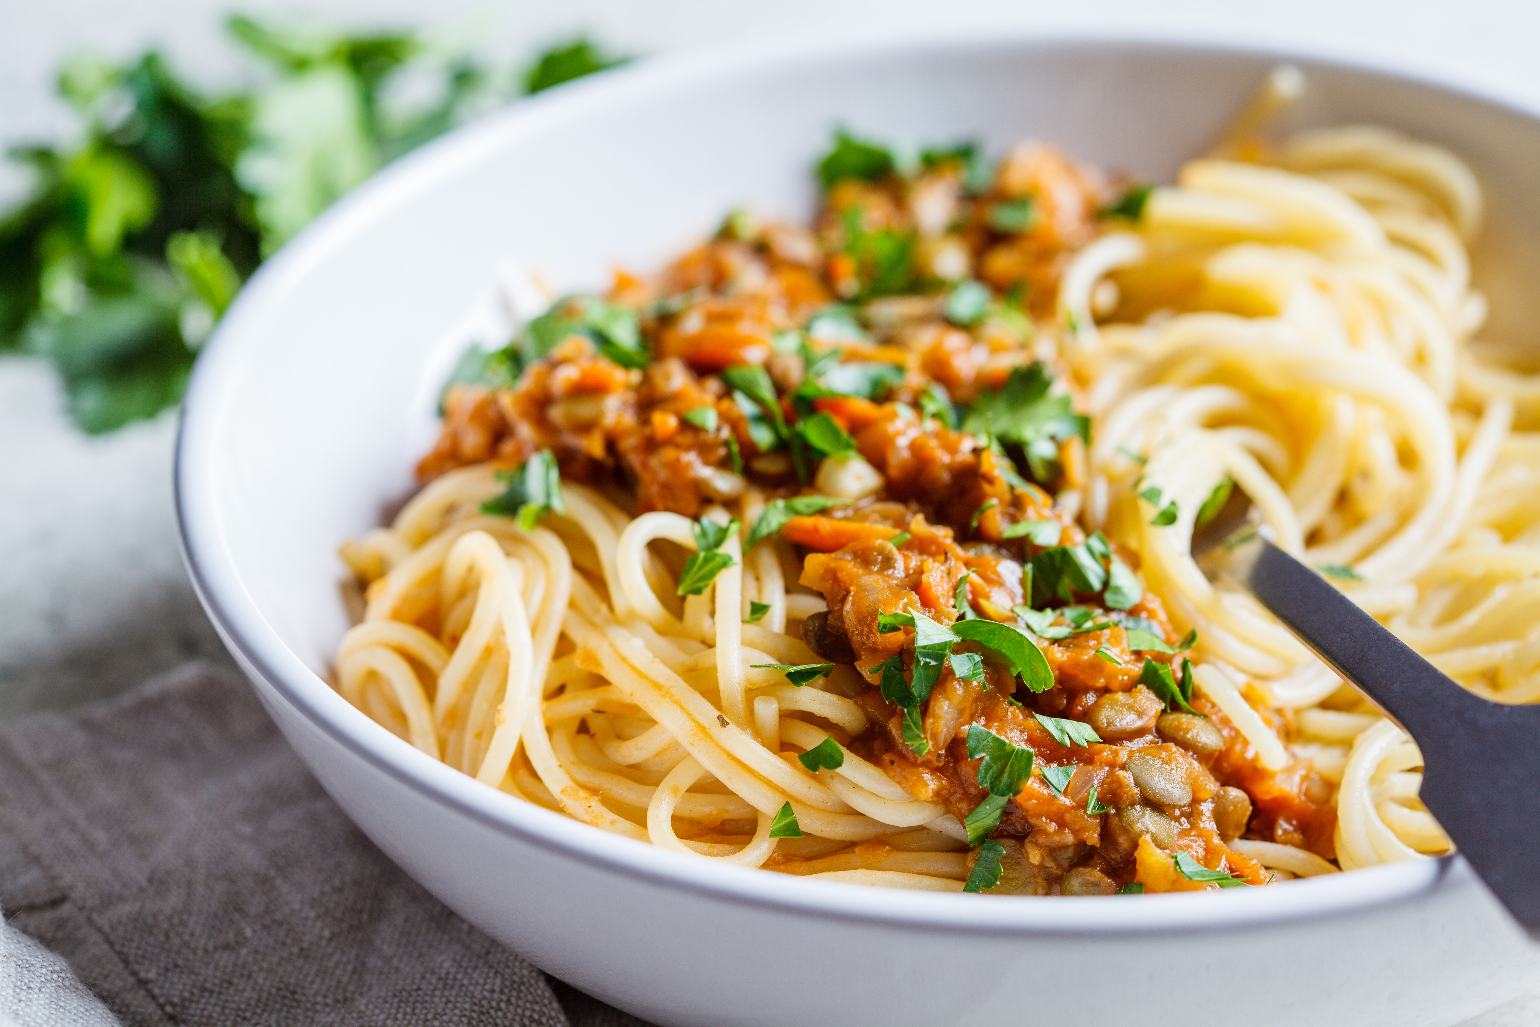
{"x":778,"y":511}
{"x":492,"y":369}
{"x":1003,"y":766}
{"x":755,"y":393}
{"x":978,"y":172}
{"x":836,"y":324}
{"x":932,"y":643}
{"x":1143,"y":641}
{"x":900,"y":539}
{"x":700,"y":570}
{"x":984,"y":818}
{"x":1094,"y":807}
{"x":1130,"y":205}
{"x":986,"y":868}
{"x":1025,"y":658}
{"x":978,"y":515}
{"x":1108,"y":655}
{"x":1131,"y":888}
{"x":824,"y":435}
{"x":967,"y":666}
{"x":1057,"y":777}
{"x":707,"y":561}
{"x":934,"y":402}
{"x":531,"y":490}
{"x":884,"y":257}
{"x":967,"y":303}
{"x":1068,"y":732}
{"x":1027,"y":413}
{"x":798,"y":674}
{"x":784,"y":824}
{"x":1216,"y":501}
{"x":757,"y":611}
{"x":738,"y":224}
{"x":1060,"y":573}
{"x":1078,"y":620}
{"x":914,"y":731}
{"x":709,"y":534}
{"x":1157,"y":677}
{"x":864,"y":378}
{"x":1195,"y":871}
{"x":1136,"y":457}
{"x":826,"y":755}
{"x":1010,"y":216}
{"x":1165,"y":510}
{"x":704,"y":418}
{"x":614,"y":330}
{"x":960,"y":598}
{"x":1039,"y":533}
{"x":1340,"y":571}
{"x":853,"y":157}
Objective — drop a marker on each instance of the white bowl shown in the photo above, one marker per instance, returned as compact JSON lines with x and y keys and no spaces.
{"x":315,"y":397}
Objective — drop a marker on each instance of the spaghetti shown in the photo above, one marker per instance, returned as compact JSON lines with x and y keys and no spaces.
{"x":861,"y":552}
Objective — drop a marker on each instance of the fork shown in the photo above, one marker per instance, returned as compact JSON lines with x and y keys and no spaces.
{"x":1495,"y":825}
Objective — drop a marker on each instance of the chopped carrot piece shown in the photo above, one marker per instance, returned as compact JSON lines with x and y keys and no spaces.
{"x":826,"y":534}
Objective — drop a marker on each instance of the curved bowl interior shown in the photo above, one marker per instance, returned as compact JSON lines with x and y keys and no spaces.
{"x":317,"y":394}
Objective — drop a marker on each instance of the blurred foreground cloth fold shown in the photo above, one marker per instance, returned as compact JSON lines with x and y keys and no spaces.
{"x":172,"y":849}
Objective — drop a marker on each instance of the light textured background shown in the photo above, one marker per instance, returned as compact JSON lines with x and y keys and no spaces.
{"x":91,"y":588}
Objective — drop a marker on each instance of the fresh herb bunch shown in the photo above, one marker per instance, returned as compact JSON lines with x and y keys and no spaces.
{"x":133,"y":239}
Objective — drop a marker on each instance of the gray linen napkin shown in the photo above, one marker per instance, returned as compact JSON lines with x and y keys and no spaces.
{"x":169,"y":845}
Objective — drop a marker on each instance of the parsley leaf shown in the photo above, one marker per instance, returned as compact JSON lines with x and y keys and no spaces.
{"x":798,"y":674}
{"x":752,"y":388}
{"x":900,"y":539}
{"x":1094,"y":807}
{"x":967,"y":303}
{"x":531,"y":490}
{"x":1039,"y":533}
{"x":614,"y":330}
{"x":778,"y":511}
{"x":934,"y":402}
{"x":757,"y":611}
{"x":978,"y":172}
{"x":1057,"y":777}
{"x":986,"y":867}
{"x":1068,"y":732}
{"x":1131,"y":888}
{"x":1108,"y":655}
{"x":884,"y":257}
{"x":825,"y":435}
{"x":1195,"y":871}
{"x":1340,"y":571}
{"x":978,"y":515}
{"x":1216,"y":501}
{"x":1011,"y":216}
{"x":1157,"y":678}
{"x":700,"y":570}
{"x":836,"y":324}
{"x":1142,"y":641}
{"x":984,"y":818}
{"x":1025,"y":412}
{"x":852,"y":157}
{"x":967,"y":666}
{"x":914,"y":731}
{"x":784,"y":824}
{"x":1025,"y":658}
{"x":1130,"y":205}
{"x":709,"y":534}
{"x":1165,"y":510}
{"x":826,"y":755}
{"x":1123,"y":587}
{"x":704,"y":418}
{"x":864,"y":378}
{"x":1003,"y":767}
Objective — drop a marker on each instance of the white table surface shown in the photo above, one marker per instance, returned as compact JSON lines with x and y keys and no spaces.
{"x":91,"y":586}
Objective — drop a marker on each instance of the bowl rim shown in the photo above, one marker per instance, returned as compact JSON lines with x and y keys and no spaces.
{"x":259,"y":648}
